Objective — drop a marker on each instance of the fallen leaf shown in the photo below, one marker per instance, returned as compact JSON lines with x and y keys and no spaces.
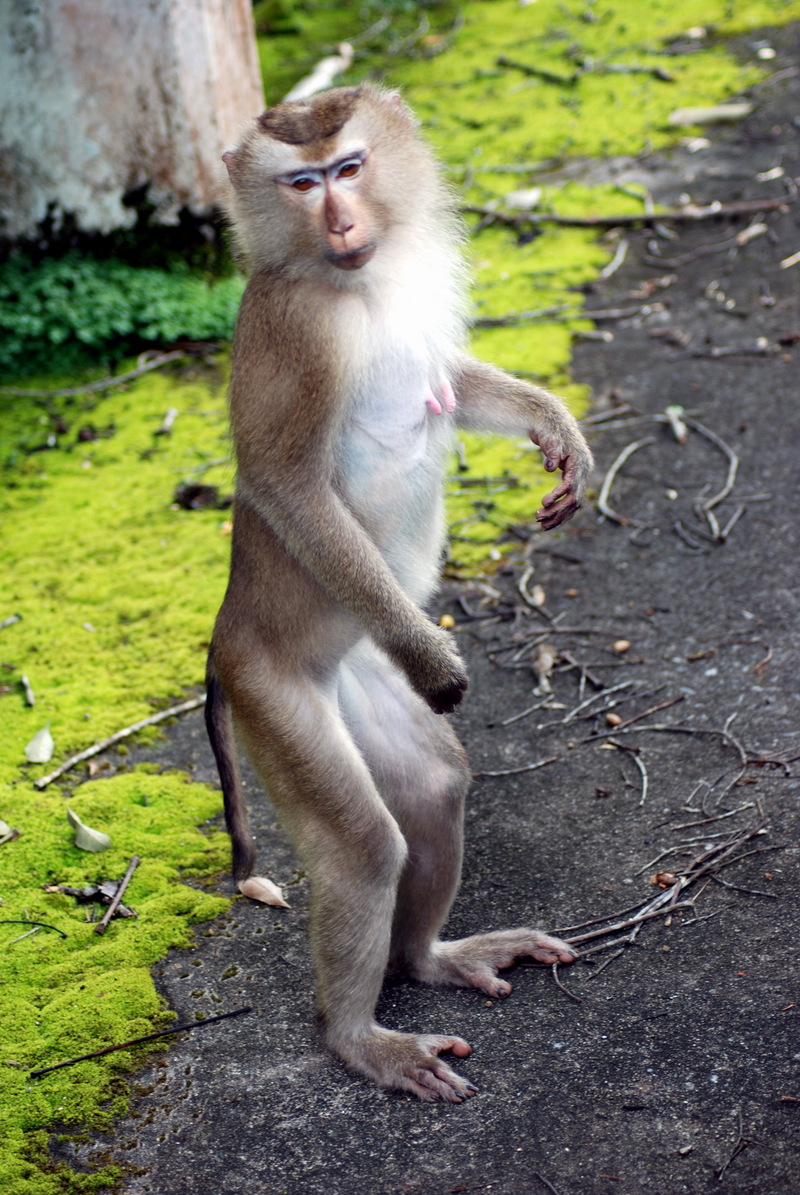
{"x":263,"y":890}
{"x":85,"y":837}
{"x":524,"y":200}
{"x":543,"y":660}
{"x":40,"y":748}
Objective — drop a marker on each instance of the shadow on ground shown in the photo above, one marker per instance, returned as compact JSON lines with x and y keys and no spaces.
{"x":673,"y":1068}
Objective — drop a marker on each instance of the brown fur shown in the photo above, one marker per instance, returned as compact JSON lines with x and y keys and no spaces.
{"x":322,"y":656}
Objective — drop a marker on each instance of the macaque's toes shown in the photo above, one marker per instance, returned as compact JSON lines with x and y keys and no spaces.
{"x":552,"y":950}
{"x":433,"y":1079}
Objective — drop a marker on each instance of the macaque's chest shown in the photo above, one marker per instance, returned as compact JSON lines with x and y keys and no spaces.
{"x":393,"y":449}
{"x":398,"y":427}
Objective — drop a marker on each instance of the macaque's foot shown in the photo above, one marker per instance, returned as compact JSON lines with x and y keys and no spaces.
{"x":410,"y":1062}
{"x":474,"y":962}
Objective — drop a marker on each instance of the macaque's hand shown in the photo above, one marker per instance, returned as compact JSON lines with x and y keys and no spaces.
{"x":562,"y":502}
{"x":435,"y":669}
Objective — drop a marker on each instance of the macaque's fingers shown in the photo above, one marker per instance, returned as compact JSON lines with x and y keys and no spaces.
{"x":434,"y":669}
{"x":444,"y":701}
{"x":558,"y":514}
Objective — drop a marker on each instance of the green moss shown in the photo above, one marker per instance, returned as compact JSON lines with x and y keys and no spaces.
{"x":66,"y":996}
{"x":117,"y":588}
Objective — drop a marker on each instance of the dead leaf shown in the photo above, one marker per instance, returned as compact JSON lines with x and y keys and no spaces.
{"x":263,"y":890}
{"x":543,"y":660}
{"x":40,"y":748}
{"x":85,"y":837}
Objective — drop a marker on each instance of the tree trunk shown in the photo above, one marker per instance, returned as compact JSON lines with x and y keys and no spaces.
{"x":103,"y":99}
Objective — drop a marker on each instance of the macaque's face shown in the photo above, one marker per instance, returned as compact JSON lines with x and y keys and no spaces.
{"x":326,"y":183}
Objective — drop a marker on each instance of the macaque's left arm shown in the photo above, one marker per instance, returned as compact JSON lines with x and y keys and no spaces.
{"x":488,"y":399}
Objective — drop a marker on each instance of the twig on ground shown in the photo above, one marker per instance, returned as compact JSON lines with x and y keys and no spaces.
{"x":690,"y":213}
{"x":531,"y":767}
{"x":540,"y":705}
{"x":573,"y":713}
{"x":538,"y":72}
{"x":545,"y":1182}
{"x":718,"y":817}
{"x":640,"y":765}
{"x":597,"y":681}
{"x":631,"y":921}
{"x":602,"y":500}
{"x":663,"y":705}
{"x":102,"y":925}
{"x":8,"y":622}
{"x":615,"y":263}
{"x":746,"y":891}
{"x":172,"y":712}
{"x":741,"y":1145}
{"x":560,"y":986}
{"x":94,"y":387}
{"x":40,"y":924}
{"x":135,"y":1041}
{"x":663,"y":728}
{"x":733,"y":465}
{"x":30,"y":696}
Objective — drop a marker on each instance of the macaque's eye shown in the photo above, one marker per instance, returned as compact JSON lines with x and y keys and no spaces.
{"x":304,"y":183}
{"x":349,"y":169}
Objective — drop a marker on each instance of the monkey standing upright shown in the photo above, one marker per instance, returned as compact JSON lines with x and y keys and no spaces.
{"x":349,"y":371}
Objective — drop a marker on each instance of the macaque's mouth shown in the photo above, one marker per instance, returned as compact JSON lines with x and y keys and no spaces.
{"x":353,"y":259}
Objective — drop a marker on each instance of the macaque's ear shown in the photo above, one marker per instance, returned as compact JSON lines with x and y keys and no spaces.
{"x":229,"y":158}
{"x":395,"y":100}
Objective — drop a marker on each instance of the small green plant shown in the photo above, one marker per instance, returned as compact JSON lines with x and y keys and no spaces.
{"x":59,"y":314}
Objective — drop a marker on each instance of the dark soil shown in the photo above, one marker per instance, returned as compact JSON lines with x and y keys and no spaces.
{"x":678,"y":1069}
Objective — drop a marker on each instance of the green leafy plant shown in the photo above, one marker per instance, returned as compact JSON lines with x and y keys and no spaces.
{"x":58,"y":314}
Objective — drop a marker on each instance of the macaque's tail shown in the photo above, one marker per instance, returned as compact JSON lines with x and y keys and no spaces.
{"x":219,"y":724}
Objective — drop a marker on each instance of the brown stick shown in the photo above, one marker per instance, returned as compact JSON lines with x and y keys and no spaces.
{"x":690,"y":213}
{"x":529,"y":767}
{"x":183,"y":708}
{"x":653,"y":710}
{"x":93,"y":387}
{"x":135,"y":1041}
{"x":102,"y":925}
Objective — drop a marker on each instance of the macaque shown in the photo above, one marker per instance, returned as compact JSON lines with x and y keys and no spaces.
{"x":349,"y":372}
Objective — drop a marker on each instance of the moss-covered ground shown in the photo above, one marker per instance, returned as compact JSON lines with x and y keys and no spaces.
{"x":116,"y":587}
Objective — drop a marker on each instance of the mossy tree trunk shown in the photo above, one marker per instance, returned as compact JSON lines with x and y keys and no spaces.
{"x":106,"y":102}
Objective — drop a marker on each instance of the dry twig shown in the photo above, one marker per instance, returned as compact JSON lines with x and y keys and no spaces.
{"x":94,"y":387}
{"x":172,"y":712}
{"x":689,"y":213}
{"x":531,"y":767}
{"x":602,"y":500}
{"x":102,"y":925}
{"x":136,"y":1041}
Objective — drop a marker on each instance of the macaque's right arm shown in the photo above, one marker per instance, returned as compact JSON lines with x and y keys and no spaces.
{"x":285,"y":410}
